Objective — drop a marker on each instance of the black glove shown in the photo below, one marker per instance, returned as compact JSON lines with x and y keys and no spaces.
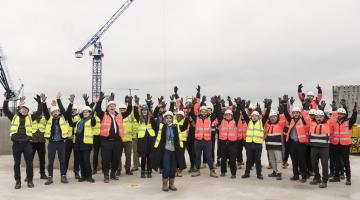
{"x":258,"y":108}
{"x":172,"y":97}
{"x":292,"y":100}
{"x":242,"y":104}
{"x":126,"y":99}
{"x":333,"y":106}
{"x":222,"y":101}
{"x":160,"y":99}
{"x":130,"y":100}
{"x":319,"y":89}
{"x":38,"y":98}
{"x":322,"y":105}
{"x":306,"y":104}
{"x":281,"y":109}
{"x":85,"y":97}
{"x":300,"y":86}
{"x":111,"y":97}
{"x":213,"y":100}
{"x":203,"y":99}
{"x":247,"y":105}
{"x":229,"y":100}
{"x":102,"y":96}
{"x":176,"y":89}
{"x":286,"y":98}
{"x":43,"y":97}
{"x":198,"y":88}
{"x":137,"y":100}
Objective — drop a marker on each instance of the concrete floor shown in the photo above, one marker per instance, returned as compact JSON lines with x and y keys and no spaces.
{"x":203,"y":187}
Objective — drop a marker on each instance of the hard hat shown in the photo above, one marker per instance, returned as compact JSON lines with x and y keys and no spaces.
{"x":341,"y":111}
{"x":296,"y":109}
{"x":168,"y":113}
{"x":74,"y":107}
{"x":54,"y":108}
{"x":228,"y":112}
{"x":252,"y":107}
{"x":255,"y":113}
{"x":86,"y":108}
{"x":25,"y":106}
{"x":181,"y":113}
{"x":310,"y":93}
{"x":320,"y":113}
{"x":210,"y":107}
{"x":122,"y":106}
{"x":188,"y":100}
{"x":312,"y":112}
{"x":273,"y":113}
{"x":203,"y":108}
{"x":144,"y":107}
{"x":111,"y":103}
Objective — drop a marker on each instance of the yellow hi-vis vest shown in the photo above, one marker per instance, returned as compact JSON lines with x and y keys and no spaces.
{"x":64,"y":126}
{"x":39,"y":126}
{"x":142,"y":130}
{"x":182,"y":135}
{"x":88,"y":132}
{"x":96,"y":128}
{"x":158,"y":138}
{"x":255,"y":132}
{"x":75,"y":118}
{"x":131,"y":128}
{"x":16,"y":122}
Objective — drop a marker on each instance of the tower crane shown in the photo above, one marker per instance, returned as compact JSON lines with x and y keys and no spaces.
{"x":6,"y":82}
{"x":97,"y":52}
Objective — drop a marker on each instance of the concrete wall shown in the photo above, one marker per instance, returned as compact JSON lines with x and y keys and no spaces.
{"x":5,"y":142}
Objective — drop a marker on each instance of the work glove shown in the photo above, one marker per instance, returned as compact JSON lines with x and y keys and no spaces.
{"x":111,"y":97}
{"x":300,"y":86}
{"x":137,"y":100}
{"x":247,"y":105}
{"x":322,"y":105}
{"x":198,"y":89}
{"x":333,"y":106}
{"x":102,"y":96}
{"x":319,"y":89}
{"x":43,"y":97}
{"x":229,"y":101}
{"x":85,"y":97}
{"x":72,"y":98}
{"x":160,"y":99}
{"x":292,"y":100}
{"x":343,"y":103}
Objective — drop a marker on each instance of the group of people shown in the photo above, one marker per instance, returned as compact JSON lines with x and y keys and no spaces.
{"x":160,"y":137}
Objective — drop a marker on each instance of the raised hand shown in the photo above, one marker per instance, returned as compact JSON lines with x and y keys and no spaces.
{"x":137,"y":100}
{"x":85,"y":97}
{"x":198,"y":88}
{"x":72,"y":98}
{"x":292,"y":100}
{"x":59,"y":95}
{"x":43,"y":97}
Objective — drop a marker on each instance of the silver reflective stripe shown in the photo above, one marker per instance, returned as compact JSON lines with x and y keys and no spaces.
{"x":318,"y":141}
{"x":345,"y":138}
{"x":319,"y":136}
{"x":274,"y":134}
{"x":274,"y":143}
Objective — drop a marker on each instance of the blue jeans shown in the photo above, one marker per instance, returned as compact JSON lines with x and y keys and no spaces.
{"x":58,"y":147}
{"x":169,"y":164}
{"x":206,"y":146}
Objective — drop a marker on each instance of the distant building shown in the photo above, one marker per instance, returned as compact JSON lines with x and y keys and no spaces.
{"x":351,"y":94}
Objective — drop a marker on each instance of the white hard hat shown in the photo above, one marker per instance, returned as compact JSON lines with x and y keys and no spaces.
{"x":181,"y":113}
{"x":273,"y":113}
{"x":168,"y":113}
{"x":341,"y":111}
{"x":122,"y":106}
{"x":188,"y":100}
{"x":296,"y":109}
{"x":310,"y":93}
{"x":255,"y":113}
{"x":54,"y":108}
{"x":110,"y":103}
{"x":210,"y":107}
{"x":74,"y":107}
{"x":86,"y":108}
{"x":320,"y":112}
{"x":252,"y":107}
{"x":25,"y":106}
{"x":203,"y":108}
{"x":228,"y":112}
{"x":312,"y":112}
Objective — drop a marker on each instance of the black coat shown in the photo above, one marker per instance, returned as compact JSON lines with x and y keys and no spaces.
{"x":157,"y":154}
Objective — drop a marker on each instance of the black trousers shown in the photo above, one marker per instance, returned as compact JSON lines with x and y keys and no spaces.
{"x":191,"y":151}
{"x":286,"y":152}
{"x":84,"y":160}
{"x":298,"y":158}
{"x":253,"y":155}
{"x":309,"y":167}
{"x":96,"y":147}
{"x":228,"y":150}
{"x":69,"y":146}
{"x":26,"y":149}
{"x":110,"y":154}
{"x":58,"y":147}
{"x":322,"y":154}
{"x":333,"y":149}
{"x":342,"y":152}
{"x":41,"y":151}
{"x":241,"y":145}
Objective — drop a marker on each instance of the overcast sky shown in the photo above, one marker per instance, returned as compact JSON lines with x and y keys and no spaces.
{"x":248,"y":48}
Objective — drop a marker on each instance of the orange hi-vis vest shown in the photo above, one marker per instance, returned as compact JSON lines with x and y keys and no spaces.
{"x":228,"y":131}
{"x":341,"y":133}
{"x":106,"y":124}
{"x":274,"y":135}
{"x":242,"y":128}
{"x":203,"y":129}
{"x":301,"y":130}
{"x":319,"y":134}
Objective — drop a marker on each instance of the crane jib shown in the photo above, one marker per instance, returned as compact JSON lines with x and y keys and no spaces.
{"x":106,"y":26}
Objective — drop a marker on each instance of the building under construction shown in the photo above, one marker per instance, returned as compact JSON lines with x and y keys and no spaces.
{"x":351,"y":93}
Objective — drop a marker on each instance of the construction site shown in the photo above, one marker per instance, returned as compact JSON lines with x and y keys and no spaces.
{"x":181,"y":99}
